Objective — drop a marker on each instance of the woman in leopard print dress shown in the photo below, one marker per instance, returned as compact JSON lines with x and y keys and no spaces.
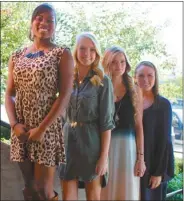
{"x":36,"y":74}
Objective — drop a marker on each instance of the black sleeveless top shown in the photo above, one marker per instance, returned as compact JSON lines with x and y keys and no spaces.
{"x":124,"y":113}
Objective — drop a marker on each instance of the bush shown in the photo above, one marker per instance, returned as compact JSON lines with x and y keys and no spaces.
{"x":5,"y":141}
{"x":5,"y":133}
{"x":177,"y":182}
{"x":178,"y":166}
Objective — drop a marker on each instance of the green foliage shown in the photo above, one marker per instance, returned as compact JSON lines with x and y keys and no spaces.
{"x":112,"y":27}
{"x":69,"y":25}
{"x":178,"y":166}
{"x":120,"y":26}
{"x":172,"y":89}
{"x":5,"y":133}
{"x":15,"y":24}
{"x":5,"y":141}
{"x":175,"y":184}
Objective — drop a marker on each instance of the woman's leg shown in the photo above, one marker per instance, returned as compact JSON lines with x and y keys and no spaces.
{"x":49,"y":173}
{"x":27,"y":170}
{"x":93,"y":189}
{"x":70,"y":189}
{"x":44,"y":181}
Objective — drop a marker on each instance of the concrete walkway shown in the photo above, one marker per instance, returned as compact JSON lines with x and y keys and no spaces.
{"x":12,"y":182}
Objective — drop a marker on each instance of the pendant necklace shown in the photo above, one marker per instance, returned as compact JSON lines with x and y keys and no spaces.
{"x":34,"y":55}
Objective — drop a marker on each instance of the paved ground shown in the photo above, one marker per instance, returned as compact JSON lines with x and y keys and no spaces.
{"x":11,"y":178}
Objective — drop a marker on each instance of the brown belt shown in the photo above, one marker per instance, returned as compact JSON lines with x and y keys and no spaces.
{"x":73,"y":124}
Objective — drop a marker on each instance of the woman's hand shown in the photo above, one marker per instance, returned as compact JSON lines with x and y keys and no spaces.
{"x":102,"y":166}
{"x":155,"y":181}
{"x":36,"y":134}
{"x":139,"y":168}
{"x":20,"y":131}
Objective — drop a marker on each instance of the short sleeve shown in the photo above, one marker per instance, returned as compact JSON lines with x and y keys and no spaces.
{"x":60,"y":51}
{"x":16,"y":55}
{"x":106,"y":104}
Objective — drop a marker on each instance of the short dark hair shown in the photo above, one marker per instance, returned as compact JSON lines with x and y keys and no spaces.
{"x":43,"y":7}
{"x":40,"y":9}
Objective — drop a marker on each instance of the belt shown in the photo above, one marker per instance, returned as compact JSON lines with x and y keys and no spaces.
{"x":74,"y":124}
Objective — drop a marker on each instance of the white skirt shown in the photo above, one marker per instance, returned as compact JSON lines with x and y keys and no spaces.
{"x":122,"y":184}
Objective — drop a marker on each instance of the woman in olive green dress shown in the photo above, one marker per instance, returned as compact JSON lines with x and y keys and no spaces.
{"x":89,"y":123}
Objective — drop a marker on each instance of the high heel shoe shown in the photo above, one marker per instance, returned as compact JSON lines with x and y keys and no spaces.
{"x":55,"y":197}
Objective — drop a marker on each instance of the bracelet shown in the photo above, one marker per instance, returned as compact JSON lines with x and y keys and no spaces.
{"x":138,"y":161}
{"x":140,"y":153}
{"x":14,"y":125}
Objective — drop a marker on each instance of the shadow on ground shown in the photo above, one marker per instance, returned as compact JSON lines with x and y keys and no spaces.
{"x":11,"y":178}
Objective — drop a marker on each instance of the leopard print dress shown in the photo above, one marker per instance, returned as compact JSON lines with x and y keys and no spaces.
{"x":36,"y":85}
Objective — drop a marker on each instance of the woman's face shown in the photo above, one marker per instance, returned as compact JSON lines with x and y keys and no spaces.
{"x":145,"y":77}
{"x":43,"y":25}
{"x":86,"y":52}
{"x":118,"y":65}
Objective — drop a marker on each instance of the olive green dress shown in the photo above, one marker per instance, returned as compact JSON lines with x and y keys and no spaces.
{"x":92,"y":107}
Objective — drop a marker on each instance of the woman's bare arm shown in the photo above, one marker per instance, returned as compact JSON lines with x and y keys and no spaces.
{"x":10,"y":95}
{"x":101,"y":167}
{"x":18,"y":127}
{"x":140,"y":165}
{"x":139,"y":125}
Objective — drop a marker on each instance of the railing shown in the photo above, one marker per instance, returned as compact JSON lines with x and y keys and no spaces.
{"x":174,"y":193}
{"x":179,"y":152}
{"x":177,"y":191}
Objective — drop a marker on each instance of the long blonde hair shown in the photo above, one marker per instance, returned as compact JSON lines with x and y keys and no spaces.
{"x":127,"y":80}
{"x":96,"y":67}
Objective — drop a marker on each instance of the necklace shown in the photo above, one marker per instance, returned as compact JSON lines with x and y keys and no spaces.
{"x":34,"y":55}
{"x":116,"y":116}
{"x":80,"y":79}
{"x":118,"y":98}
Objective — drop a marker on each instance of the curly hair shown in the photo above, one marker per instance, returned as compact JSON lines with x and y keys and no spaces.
{"x":96,"y":67}
{"x":108,"y":57}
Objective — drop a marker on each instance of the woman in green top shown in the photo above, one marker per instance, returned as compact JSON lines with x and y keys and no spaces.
{"x":89,"y":122}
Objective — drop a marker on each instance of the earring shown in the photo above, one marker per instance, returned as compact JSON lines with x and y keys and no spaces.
{"x":32,"y":35}
{"x":52,"y":38}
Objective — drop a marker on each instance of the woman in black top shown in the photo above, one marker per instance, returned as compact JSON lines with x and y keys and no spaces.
{"x":158,"y":150}
{"x":126,"y":154}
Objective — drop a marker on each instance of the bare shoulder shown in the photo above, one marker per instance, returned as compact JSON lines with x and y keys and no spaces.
{"x":10,"y":62}
{"x":67,"y":53}
{"x":66,"y":61}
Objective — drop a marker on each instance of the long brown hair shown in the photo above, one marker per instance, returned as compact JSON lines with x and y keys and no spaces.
{"x":151,"y":65}
{"x":109,"y":54}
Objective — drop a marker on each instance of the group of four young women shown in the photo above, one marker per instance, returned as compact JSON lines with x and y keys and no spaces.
{"x":42,"y":88}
